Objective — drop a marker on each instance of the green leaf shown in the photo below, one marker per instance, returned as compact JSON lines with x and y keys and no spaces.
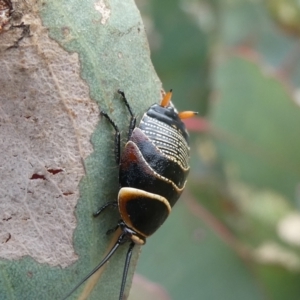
{"x":260,"y":125}
{"x":109,"y":39}
{"x":180,"y":49}
{"x":280,"y":282}
{"x":190,"y":259}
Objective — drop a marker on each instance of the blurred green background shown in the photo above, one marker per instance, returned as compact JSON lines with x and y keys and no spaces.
{"x":235,"y":233}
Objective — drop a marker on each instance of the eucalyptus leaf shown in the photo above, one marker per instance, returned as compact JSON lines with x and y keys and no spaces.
{"x":57,"y":159}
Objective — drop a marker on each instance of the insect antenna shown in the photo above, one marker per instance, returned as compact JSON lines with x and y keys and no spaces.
{"x":126,"y":267}
{"x":122,"y":238}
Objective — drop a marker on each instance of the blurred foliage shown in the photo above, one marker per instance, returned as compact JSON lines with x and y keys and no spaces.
{"x":236,"y":232}
{"x":179,"y":50}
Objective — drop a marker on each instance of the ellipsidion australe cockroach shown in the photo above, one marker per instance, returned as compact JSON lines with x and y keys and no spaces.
{"x":153,"y":168}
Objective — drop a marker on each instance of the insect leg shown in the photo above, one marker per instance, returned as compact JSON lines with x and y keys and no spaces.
{"x":132,"y":117}
{"x":102,"y":208}
{"x":117,"y":136}
{"x":126,"y":267}
{"x":112,"y":230}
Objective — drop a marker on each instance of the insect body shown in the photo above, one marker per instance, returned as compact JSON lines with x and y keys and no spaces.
{"x":152,"y":174}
